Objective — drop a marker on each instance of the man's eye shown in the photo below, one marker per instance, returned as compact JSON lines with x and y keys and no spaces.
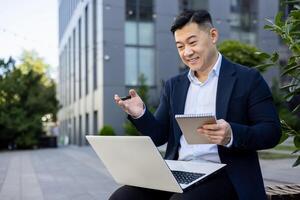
{"x":179,"y":47}
{"x":193,"y":43}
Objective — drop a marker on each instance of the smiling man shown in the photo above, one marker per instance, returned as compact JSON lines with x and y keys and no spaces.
{"x":238,"y":96}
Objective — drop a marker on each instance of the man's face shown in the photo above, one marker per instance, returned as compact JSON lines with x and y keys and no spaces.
{"x":196,"y":46}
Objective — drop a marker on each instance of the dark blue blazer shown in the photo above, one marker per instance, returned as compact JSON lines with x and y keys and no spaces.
{"x":243,"y":100}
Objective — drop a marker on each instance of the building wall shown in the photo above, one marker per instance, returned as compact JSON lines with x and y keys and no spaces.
{"x":78,"y":53}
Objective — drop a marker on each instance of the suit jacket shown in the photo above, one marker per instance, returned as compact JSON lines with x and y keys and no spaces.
{"x":245,"y":102}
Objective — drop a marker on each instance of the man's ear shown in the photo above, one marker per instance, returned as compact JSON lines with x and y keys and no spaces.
{"x":214,"y":34}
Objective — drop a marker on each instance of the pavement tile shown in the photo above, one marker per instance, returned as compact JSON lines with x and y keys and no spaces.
{"x":76,"y":173}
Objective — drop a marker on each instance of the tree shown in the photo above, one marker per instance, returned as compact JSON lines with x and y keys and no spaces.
{"x":288,"y":29}
{"x":26,"y":95}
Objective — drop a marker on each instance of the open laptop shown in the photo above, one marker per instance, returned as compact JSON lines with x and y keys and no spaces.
{"x":135,"y":161}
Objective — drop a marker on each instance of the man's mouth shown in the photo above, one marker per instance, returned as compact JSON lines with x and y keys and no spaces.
{"x":193,"y":60}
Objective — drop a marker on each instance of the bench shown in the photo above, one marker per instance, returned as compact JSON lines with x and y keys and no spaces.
{"x":283,"y":192}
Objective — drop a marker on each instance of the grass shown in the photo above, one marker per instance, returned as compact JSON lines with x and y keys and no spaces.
{"x":285,"y":148}
{"x":273,"y":156}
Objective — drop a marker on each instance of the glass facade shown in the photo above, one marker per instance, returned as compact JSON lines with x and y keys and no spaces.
{"x":66,"y":9}
{"x":86,"y":38}
{"x":95,"y":122}
{"x":193,"y":4}
{"x":74,"y":64}
{"x":95,"y":44}
{"x":139,"y":42}
{"x":243,"y":20}
{"x":79,"y":57}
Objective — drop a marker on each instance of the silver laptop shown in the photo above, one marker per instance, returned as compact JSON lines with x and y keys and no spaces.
{"x":135,"y":161}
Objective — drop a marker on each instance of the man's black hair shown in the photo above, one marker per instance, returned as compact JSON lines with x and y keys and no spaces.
{"x":201,"y":17}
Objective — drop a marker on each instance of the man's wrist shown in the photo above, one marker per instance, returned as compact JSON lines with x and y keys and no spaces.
{"x":143,"y":112}
{"x":229,"y":143}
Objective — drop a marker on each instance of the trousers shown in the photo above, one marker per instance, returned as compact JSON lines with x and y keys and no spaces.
{"x":216,"y":187}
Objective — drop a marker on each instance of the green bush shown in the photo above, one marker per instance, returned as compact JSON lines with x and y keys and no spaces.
{"x":107,"y":130}
{"x":282,"y":106}
{"x":288,"y":29}
{"x":26,"y":141}
{"x":130,"y":129}
{"x":242,"y":53}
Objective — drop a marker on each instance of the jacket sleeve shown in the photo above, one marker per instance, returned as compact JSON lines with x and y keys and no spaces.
{"x":156,"y":126}
{"x":263,"y":129}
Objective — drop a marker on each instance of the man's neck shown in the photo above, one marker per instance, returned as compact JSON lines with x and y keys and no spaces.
{"x":203,"y":75}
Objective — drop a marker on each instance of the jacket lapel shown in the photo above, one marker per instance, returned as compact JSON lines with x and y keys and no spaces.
{"x":180,"y":92}
{"x":226,"y":83}
{"x":181,"y":87}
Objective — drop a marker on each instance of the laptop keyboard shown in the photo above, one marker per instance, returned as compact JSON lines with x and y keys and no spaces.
{"x":186,"y":177}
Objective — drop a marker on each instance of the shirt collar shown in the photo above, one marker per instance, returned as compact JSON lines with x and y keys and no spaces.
{"x":214,"y":72}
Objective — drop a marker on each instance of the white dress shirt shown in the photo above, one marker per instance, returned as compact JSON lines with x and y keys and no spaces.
{"x":201,"y":99}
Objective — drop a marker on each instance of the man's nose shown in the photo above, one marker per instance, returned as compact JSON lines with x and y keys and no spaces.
{"x":188,"y":51}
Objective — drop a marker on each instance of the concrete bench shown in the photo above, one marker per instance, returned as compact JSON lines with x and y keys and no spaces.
{"x":283,"y":192}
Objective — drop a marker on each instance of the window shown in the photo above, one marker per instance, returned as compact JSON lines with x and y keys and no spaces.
{"x":243,"y":20}
{"x":95,"y":44}
{"x":74,"y":131}
{"x":95,"y":122}
{"x":74,"y":64}
{"x":139,"y":42}
{"x":86,"y":49}
{"x":87,"y":124}
{"x":69,"y":63}
{"x":79,"y":55}
{"x":193,"y":4}
{"x":80,"y":131}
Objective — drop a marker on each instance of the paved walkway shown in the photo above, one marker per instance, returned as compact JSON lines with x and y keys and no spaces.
{"x":75,"y":173}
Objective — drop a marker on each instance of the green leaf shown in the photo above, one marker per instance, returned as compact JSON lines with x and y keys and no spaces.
{"x":296,"y":109}
{"x":296,"y":151}
{"x":271,"y":22}
{"x":289,"y":96}
{"x":264,"y":66}
{"x":297,"y":162}
{"x":290,"y":70}
{"x":283,"y":137}
{"x":288,"y":86}
{"x":274,"y":57}
{"x":297,"y":141}
{"x":278,"y":19}
{"x":269,"y":27}
{"x":262,"y":55}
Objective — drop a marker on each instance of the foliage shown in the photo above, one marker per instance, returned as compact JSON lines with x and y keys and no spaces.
{"x":282,"y":106}
{"x":242,"y":53}
{"x":107,"y":130}
{"x":288,"y":30}
{"x":142,"y":91}
{"x":130,"y":129}
{"x":26,"y":94}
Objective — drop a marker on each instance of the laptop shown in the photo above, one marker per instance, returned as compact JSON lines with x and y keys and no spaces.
{"x":135,"y":161}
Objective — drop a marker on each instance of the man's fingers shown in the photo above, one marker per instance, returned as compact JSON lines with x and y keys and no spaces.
{"x":117,"y":98}
{"x":212,"y":126}
{"x":132,"y":93}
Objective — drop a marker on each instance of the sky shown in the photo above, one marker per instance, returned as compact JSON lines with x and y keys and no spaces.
{"x":30,"y":25}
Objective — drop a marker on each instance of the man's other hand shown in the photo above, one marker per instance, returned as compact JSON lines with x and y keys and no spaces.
{"x":219,"y":133}
{"x":133,"y":106}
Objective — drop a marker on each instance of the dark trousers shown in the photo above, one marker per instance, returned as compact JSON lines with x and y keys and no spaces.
{"x":215,"y":187}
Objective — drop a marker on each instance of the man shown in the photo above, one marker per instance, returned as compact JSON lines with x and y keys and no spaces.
{"x":237,"y":95}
